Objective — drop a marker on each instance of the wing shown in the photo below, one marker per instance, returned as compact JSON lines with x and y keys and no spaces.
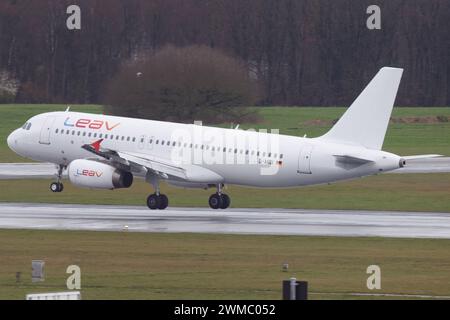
{"x":143,"y":164}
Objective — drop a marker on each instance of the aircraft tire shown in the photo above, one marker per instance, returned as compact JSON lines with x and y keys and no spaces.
{"x":153,"y":202}
{"x":226,"y":201}
{"x":56,"y":187}
{"x":164,"y":201}
{"x":215,"y":201}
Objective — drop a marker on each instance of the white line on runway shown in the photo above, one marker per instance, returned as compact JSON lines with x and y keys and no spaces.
{"x":233,"y":221}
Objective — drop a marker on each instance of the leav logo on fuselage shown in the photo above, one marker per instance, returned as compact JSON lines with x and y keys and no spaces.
{"x":91,"y":124}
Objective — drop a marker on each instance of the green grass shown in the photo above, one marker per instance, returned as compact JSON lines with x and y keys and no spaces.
{"x":202,"y":266}
{"x":405,"y":192}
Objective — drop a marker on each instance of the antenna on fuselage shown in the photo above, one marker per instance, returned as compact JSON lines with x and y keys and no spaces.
{"x":68,"y":109}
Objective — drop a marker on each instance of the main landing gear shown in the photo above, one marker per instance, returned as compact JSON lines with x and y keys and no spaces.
{"x":160,"y":201}
{"x":156,"y":200}
{"x":58,"y":186}
{"x":219,"y":200}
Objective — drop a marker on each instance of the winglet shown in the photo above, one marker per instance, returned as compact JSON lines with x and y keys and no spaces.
{"x":96,"y":145}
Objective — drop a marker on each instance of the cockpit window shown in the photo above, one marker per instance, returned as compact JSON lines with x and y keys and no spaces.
{"x":26,"y":126}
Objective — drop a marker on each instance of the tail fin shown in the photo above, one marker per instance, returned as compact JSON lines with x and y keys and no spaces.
{"x":365,"y":122}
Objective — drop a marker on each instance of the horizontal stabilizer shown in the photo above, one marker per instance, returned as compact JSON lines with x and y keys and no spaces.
{"x":353,"y":159}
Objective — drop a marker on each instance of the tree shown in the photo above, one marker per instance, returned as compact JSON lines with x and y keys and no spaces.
{"x":182,"y":84}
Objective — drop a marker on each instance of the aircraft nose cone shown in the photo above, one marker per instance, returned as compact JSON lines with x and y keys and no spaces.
{"x":11,"y":141}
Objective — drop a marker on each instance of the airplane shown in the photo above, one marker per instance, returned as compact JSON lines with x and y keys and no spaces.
{"x":107,"y":152}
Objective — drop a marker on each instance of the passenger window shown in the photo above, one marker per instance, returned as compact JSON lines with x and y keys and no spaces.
{"x":123,"y":138}
{"x":84,"y":134}
{"x":100,"y":135}
{"x":95,"y":135}
{"x":151,"y":140}
{"x":173,"y":144}
{"x":78,"y":133}
{"x":134,"y":139}
{"x":56,"y":131}
{"x":90,"y":134}
{"x":281,"y":156}
{"x":73,"y":132}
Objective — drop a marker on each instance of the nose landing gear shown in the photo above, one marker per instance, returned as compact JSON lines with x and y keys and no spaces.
{"x":58,"y":186}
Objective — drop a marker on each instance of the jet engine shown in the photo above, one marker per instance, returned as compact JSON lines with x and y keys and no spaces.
{"x":98,"y":175}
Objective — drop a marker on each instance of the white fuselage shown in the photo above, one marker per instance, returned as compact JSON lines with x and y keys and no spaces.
{"x":282,"y":161}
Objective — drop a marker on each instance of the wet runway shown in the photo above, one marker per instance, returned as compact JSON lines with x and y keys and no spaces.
{"x":232,"y":221}
{"x":48,"y":170}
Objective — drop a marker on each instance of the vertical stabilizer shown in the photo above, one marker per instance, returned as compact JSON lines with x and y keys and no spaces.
{"x":365,"y":121}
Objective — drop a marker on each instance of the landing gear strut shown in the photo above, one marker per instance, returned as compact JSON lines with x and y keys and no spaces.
{"x":219,"y":200}
{"x":156,"y":200}
{"x":58,"y":186}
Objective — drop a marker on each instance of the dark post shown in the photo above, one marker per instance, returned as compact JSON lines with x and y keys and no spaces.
{"x":301,"y":290}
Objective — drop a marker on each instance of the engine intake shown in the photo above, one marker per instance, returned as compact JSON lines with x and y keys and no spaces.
{"x":98,"y":175}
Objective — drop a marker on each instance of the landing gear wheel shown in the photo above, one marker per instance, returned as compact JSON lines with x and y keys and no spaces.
{"x":153,"y":202}
{"x":225,"y":201}
{"x":164,"y":201}
{"x":56,"y":187}
{"x":215,"y":201}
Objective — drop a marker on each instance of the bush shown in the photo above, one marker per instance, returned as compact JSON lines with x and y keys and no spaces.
{"x":183,"y":85}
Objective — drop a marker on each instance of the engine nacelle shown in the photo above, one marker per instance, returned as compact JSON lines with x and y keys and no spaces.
{"x":93,"y":174}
